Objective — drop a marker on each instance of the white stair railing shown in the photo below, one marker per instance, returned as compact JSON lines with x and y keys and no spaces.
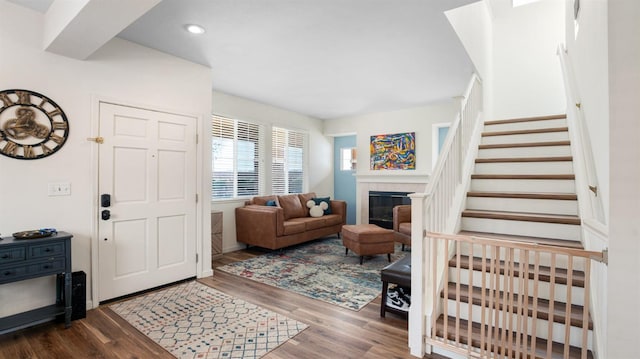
{"x":438,"y":209}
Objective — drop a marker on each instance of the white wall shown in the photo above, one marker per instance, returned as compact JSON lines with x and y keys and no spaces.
{"x":416,"y":119}
{"x":588,"y":53}
{"x":320,"y":154}
{"x":473,"y":25}
{"x":624,"y":227}
{"x":527,"y":80}
{"x":120,"y":71}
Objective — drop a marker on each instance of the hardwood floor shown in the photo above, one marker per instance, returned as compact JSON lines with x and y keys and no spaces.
{"x":333,"y":332}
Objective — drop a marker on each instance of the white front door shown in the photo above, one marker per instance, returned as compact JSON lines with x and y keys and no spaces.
{"x":147,"y":171}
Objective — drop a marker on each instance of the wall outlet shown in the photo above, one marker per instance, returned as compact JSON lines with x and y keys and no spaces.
{"x":60,"y":189}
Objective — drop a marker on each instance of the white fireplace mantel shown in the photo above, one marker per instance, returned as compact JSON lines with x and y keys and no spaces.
{"x":392,"y":182}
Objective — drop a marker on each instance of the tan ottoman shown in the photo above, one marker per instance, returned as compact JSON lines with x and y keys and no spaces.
{"x":368,"y":239}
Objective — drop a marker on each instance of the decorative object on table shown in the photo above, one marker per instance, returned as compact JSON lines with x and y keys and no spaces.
{"x":393,"y":152}
{"x":35,"y":233}
{"x":192,"y":320}
{"x":319,"y":270}
{"x":32,"y":126}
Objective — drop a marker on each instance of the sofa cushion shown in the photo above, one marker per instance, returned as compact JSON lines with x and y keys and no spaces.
{"x":292,"y":206}
{"x":332,"y":219}
{"x":291,"y":227}
{"x":262,"y":200}
{"x":311,"y":222}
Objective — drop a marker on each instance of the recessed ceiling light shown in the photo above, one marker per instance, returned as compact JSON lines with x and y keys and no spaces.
{"x":194,"y":29}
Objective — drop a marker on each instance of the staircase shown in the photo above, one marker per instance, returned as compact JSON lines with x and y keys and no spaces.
{"x":522,"y":192}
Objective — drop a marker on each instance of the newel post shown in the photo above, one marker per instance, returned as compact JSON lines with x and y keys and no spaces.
{"x":419,"y":264}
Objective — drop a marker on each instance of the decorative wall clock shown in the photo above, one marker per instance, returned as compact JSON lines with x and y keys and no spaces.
{"x":32,"y":125}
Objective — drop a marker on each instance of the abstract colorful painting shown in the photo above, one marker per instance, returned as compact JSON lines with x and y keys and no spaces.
{"x":393,"y":152}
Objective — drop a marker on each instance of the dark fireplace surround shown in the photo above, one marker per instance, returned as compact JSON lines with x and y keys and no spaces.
{"x":381,"y":205}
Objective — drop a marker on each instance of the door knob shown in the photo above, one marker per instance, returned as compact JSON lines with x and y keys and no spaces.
{"x":106,"y":214}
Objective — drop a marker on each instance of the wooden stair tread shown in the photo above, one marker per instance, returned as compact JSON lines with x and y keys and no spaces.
{"x":530,"y":195}
{"x":525,"y":159}
{"x":557,"y":349}
{"x":525,"y":132}
{"x":526,"y":119}
{"x":524,"y":144}
{"x":544,"y":272}
{"x":543,"y":305}
{"x":525,"y":177}
{"x":526,"y":239}
{"x":527,"y":217}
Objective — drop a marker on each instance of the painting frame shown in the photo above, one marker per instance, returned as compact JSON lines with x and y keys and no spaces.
{"x":396,"y":151}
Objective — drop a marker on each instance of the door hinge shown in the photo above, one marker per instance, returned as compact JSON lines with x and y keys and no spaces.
{"x":197,"y":138}
{"x":196,"y":198}
{"x":196,"y":257}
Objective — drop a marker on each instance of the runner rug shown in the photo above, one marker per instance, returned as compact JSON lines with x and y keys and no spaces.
{"x":192,"y":320}
{"x":319,"y":270}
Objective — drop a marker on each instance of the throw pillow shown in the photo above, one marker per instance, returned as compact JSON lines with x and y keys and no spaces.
{"x":324,"y":199}
{"x":316,"y":210}
{"x":271,"y":203}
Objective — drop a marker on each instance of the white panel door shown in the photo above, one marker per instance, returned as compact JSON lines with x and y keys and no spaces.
{"x":148,"y":168}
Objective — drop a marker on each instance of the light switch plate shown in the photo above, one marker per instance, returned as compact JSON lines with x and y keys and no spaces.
{"x":60,"y":189}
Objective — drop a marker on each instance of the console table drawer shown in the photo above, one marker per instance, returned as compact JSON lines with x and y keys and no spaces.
{"x":55,"y":265}
{"x":46,"y":250}
{"x":11,"y":273}
{"x":11,"y":255}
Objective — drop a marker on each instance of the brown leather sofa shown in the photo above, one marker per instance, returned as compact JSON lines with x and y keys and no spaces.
{"x":287,"y":223}
{"x":402,"y":224}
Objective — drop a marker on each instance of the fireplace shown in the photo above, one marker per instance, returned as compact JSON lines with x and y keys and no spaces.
{"x":381,"y":205}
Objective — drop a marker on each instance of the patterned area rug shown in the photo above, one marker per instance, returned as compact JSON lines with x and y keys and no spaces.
{"x":192,"y":320}
{"x":319,"y":270}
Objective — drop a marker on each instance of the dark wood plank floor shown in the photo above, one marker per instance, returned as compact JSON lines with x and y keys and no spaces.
{"x":333,"y":332}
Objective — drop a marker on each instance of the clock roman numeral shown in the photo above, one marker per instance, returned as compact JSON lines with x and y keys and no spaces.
{"x":24,"y":98}
{"x":59,"y":126}
{"x":6,"y":100}
{"x":55,"y":112}
{"x":28,"y":152}
{"x":57,"y":139}
{"x":45,"y":150}
{"x":10,"y":148}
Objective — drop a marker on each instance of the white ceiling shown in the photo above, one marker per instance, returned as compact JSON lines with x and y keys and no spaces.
{"x":324,"y":58}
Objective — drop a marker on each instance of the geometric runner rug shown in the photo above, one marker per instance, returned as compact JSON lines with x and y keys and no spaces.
{"x":319,"y":270}
{"x":192,"y":320}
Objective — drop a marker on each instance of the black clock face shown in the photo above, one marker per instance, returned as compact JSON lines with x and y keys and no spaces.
{"x":32,"y":126}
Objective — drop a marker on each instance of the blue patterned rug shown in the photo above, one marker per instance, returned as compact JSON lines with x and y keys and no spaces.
{"x":319,"y":270}
{"x":192,"y":320}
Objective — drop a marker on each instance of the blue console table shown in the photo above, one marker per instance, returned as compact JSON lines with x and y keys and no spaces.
{"x":22,"y":259}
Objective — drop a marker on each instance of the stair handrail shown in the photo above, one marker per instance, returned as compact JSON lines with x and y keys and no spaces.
{"x":581,"y":143}
{"x":439,"y":207}
{"x":512,"y":271}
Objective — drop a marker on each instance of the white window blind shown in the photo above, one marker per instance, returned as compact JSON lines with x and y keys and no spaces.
{"x":236,"y":148}
{"x":287,"y":166}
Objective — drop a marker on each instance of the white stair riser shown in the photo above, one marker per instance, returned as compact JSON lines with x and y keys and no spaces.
{"x":527,"y":137}
{"x":525,"y":205}
{"x":519,"y":152}
{"x":545,"y":259}
{"x":542,"y":326}
{"x":520,"y":185}
{"x":544,"y":289}
{"x":522,"y":228}
{"x":528,"y":168}
{"x":529,"y":125}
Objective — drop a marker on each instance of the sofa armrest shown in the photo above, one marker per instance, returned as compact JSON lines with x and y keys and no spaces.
{"x":401,"y":214}
{"x":259,"y":224}
{"x":339,"y":207}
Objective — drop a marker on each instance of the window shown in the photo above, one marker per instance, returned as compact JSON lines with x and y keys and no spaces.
{"x":348,"y":159}
{"x":236,"y":148}
{"x":287,"y":163}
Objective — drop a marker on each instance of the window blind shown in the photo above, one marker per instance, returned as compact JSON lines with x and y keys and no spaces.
{"x":236,"y":150}
{"x":287,"y":161}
